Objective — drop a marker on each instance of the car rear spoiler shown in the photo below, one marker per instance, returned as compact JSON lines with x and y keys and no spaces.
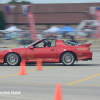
{"x":86,"y":45}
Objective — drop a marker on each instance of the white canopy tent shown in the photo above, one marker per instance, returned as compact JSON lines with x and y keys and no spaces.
{"x":13,"y":28}
{"x":52,"y":29}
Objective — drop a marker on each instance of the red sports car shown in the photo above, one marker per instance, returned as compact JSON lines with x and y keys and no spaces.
{"x":53,"y":50}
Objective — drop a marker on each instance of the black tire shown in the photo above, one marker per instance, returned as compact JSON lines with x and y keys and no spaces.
{"x":12,"y":59}
{"x":68,"y":58}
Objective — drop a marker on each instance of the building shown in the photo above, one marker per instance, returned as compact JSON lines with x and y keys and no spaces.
{"x":47,"y":15}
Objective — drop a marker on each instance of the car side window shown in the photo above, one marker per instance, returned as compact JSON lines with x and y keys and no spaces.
{"x":39,"y":45}
{"x":53,"y":43}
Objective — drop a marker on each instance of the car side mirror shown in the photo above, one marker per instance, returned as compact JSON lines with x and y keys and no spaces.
{"x":31,"y":47}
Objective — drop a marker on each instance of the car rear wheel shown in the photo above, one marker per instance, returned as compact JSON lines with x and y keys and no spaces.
{"x":12,"y":59}
{"x":68,"y":59}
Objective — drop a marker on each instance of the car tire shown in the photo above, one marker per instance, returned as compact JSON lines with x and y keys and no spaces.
{"x":12,"y":59}
{"x":68,"y":58}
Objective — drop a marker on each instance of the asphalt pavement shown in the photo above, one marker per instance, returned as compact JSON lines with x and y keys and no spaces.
{"x":78,"y":82}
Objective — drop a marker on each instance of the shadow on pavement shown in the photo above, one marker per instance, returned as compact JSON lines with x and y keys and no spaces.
{"x":86,"y":65}
{"x":56,"y":64}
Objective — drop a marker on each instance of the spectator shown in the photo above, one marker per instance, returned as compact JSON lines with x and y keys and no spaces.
{"x":64,"y":34}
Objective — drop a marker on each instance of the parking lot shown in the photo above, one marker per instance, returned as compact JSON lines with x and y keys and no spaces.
{"x":78,"y":82}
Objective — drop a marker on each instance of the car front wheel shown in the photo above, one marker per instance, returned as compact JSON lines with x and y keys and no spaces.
{"x":68,"y":58}
{"x":12,"y":59}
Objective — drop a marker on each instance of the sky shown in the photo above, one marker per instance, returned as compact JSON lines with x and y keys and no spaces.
{"x":54,"y":1}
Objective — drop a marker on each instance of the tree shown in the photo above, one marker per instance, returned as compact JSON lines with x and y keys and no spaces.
{"x":22,"y":2}
{"x":2,"y":21}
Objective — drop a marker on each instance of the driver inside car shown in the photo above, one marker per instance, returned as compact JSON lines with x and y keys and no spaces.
{"x":47,"y":43}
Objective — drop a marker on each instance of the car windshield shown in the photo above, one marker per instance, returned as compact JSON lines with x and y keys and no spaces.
{"x":69,"y":43}
{"x":31,"y":44}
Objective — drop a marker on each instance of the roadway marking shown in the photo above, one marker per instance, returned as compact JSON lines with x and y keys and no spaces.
{"x":83,"y":79}
{"x":9,"y":75}
{"x":45,"y":84}
{"x":85,"y":85}
{"x":53,"y":84}
{"x":27,"y":71}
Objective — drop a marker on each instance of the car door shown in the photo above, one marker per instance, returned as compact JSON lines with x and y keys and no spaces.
{"x":39,"y":51}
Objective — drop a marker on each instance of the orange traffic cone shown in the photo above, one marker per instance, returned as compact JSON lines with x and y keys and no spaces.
{"x":22,"y":69}
{"x":58,"y":94}
{"x":39,"y":64}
